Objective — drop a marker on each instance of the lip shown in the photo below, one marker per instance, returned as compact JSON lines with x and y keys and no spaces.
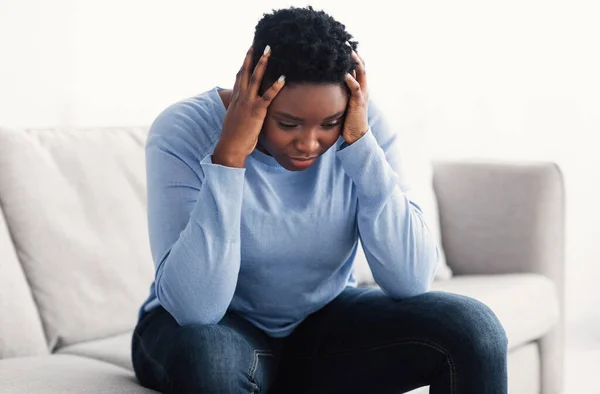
{"x":302,"y":158}
{"x":303,"y":162}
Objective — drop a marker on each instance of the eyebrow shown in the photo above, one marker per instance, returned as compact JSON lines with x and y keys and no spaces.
{"x":292,"y":117}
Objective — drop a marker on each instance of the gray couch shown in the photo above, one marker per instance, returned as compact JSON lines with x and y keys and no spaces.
{"x":75,"y":262}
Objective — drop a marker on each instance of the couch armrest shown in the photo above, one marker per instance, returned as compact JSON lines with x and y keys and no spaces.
{"x":507,"y":217}
{"x":501,"y":217}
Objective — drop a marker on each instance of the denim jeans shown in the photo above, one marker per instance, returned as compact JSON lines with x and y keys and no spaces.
{"x":361,"y":342}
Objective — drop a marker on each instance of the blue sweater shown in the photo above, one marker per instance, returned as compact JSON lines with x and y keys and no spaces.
{"x":269,"y":244}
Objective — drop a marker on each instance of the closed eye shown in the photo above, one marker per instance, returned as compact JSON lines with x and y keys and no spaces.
{"x":292,"y":125}
{"x":287,"y":125}
{"x":331,"y":125}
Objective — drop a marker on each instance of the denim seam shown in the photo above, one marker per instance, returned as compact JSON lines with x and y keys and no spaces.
{"x":152,"y":360}
{"x":430,"y":344}
{"x":449,"y":360}
{"x":254,"y":366}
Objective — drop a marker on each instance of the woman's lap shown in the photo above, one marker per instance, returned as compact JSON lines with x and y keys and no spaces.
{"x":363,"y":341}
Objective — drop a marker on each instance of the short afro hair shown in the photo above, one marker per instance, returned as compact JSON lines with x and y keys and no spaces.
{"x":307,"y":46}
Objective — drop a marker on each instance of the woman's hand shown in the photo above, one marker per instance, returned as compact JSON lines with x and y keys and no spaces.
{"x":356,"y":122}
{"x":246,"y":113}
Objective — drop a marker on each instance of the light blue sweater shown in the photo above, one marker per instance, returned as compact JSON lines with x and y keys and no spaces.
{"x":269,"y":244}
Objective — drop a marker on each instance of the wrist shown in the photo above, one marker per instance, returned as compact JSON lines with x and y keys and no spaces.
{"x":351,"y":138}
{"x":228,"y":159}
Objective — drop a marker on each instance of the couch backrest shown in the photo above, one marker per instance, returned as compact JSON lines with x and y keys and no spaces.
{"x":21,"y":332}
{"x":75,"y":204}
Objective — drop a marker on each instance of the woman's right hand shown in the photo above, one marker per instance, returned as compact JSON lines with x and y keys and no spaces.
{"x":246,"y":113}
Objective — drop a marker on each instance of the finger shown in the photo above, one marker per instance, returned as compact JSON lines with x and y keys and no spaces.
{"x":238,"y":75}
{"x":259,"y":72}
{"x":359,"y":56}
{"x":362,"y":60}
{"x":244,"y":73}
{"x":236,"y":85}
{"x":272,"y":92}
{"x":354,"y":86}
{"x":361,"y":72}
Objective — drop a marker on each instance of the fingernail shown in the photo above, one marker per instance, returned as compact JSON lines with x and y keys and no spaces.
{"x":281,"y":78}
{"x":267,"y":49}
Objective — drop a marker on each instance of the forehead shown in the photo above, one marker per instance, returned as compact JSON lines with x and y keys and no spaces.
{"x":310,"y":101}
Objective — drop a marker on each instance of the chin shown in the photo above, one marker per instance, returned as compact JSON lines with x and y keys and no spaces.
{"x":288,"y":166}
{"x":295,"y":169}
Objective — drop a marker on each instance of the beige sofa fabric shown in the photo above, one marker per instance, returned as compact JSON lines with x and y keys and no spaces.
{"x":526,"y":304}
{"x":115,"y":350}
{"x":21,"y":332}
{"x":59,"y":374}
{"x":83,"y":246}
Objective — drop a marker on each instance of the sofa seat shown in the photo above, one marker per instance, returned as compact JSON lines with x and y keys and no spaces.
{"x":115,"y":350}
{"x":526,"y":304}
{"x":65,"y":374}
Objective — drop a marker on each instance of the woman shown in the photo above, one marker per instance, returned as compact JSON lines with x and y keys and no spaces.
{"x":257,"y":197}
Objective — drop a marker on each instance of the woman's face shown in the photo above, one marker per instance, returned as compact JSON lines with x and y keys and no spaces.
{"x":302,"y":122}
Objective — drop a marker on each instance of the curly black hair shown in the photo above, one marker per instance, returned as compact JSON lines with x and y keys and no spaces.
{"x":307,"y":46}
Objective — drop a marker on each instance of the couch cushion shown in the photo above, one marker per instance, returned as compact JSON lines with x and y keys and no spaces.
{"x":76,"y":205}
{"x":65,"y":374}
{"x":21,"y":332}
{"x":526,"y":304}
{"x":115,"y":350}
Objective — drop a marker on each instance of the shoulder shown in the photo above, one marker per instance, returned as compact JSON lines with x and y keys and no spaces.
{"x":383,"y":130}
{"x":389,"y":137}
{"x":191,"y":125}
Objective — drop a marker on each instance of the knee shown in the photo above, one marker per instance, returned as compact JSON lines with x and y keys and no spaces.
{"x":474,"y":328}
{"x":208,"y":359}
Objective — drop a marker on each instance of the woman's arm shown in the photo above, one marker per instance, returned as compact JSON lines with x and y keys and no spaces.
{"x":399,"y":247}
{"x":194,"y":212}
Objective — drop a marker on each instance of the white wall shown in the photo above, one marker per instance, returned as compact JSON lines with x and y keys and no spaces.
{"x":511,"y":79}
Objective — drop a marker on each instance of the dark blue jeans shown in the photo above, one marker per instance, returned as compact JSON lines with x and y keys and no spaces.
{"x":362,"y":342}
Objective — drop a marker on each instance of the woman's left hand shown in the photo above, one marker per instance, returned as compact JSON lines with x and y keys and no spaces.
{"x":356,"y":122}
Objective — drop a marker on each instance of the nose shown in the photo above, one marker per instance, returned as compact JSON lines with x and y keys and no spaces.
{"x":308,"y":143}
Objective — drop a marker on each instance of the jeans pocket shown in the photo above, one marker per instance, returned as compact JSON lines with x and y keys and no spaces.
{"x":263,"y":369}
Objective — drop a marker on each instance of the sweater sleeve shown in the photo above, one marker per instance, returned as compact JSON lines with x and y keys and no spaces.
{"x":194,"y":214}
{"x":400,"y":249}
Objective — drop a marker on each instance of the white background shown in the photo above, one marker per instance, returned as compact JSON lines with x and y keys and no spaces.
{"x":479,"y":79}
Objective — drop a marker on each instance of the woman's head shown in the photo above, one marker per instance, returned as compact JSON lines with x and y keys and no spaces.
{"x":307,"y":46}
{"x":313,"y":51}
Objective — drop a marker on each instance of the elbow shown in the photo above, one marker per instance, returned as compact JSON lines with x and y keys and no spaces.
{"x":188,"y":310}
{"x":401,"y":291}
{"x":186,"y":317}
{"x":411,"y":282}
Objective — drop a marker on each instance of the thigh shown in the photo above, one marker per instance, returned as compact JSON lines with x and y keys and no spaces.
{"x":229,"y":357}
{"x":365,"y":341}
